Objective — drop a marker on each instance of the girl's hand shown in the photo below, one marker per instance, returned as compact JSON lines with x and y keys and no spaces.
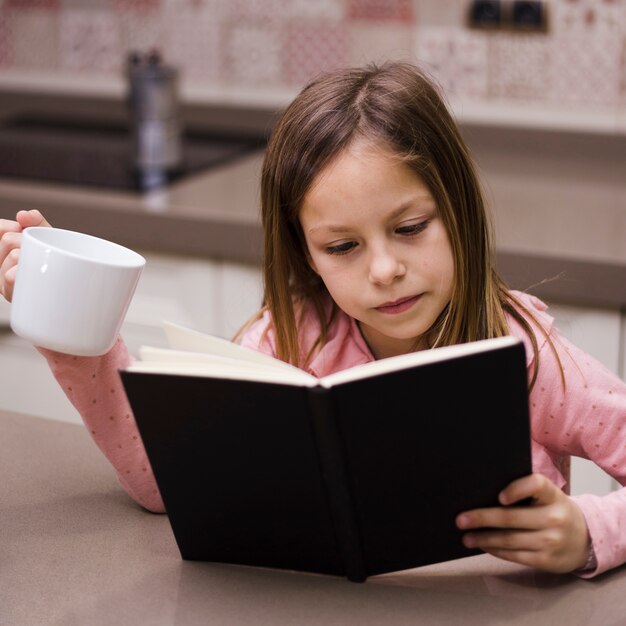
{"x":549,"y":534}
{"x":10,"y":242}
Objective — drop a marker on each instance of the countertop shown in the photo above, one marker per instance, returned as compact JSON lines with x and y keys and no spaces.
{"x":558,"y":205}
{"x":74,"y":549}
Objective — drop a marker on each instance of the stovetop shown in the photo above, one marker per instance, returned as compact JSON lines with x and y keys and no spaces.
{"x":98,"y":155}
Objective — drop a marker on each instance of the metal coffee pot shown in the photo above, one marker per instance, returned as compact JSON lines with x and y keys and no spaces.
{"x":154,"y":115}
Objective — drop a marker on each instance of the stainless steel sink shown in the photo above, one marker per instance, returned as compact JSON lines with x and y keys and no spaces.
{"x":99,"y":155}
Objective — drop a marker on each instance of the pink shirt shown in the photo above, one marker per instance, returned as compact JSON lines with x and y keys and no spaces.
{"x":586,"y":419}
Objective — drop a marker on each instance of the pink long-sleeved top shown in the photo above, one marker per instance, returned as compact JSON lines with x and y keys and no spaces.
{"x":586,"y":418}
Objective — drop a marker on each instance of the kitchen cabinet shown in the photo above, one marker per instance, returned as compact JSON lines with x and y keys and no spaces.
{"x":26,"y":384}
{"x":211,"y":296}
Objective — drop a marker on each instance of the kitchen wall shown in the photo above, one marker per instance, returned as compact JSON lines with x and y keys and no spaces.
{"x":278,"y":43}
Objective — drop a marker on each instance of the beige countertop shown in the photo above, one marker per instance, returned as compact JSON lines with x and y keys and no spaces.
{"x":212,"y":215}
{"x":74,"y":549}
{"x":558,"y":203}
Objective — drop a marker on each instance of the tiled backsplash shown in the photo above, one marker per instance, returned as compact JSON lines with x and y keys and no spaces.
{"x":283,"y":43}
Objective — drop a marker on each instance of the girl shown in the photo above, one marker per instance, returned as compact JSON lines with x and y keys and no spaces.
{"x":376,"y":244}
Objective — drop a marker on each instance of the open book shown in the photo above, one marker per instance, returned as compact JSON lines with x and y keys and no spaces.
{"x":355,"y":474}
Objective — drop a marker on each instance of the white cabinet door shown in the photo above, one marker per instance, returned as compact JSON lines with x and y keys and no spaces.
{"x":240,"y":295}
{"x":598,"y":332}
{"x":26,"y":383}
{"x":179,"y":290}
{"x":215,"y":297}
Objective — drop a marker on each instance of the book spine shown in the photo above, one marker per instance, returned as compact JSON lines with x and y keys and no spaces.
{"x":335,"y":477}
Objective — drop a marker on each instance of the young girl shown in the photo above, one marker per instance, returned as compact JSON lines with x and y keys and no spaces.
{"x":377,"y":244}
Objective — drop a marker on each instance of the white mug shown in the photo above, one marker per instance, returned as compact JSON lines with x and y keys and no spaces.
{"x":72,"y":290}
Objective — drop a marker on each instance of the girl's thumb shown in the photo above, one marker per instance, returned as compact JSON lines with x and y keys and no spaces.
{"x":31,"y":218}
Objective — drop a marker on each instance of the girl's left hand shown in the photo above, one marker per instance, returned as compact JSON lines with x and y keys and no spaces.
{"x":550,"y":534}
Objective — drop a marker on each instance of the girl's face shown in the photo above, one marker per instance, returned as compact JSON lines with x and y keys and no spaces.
{"x":375,"y":238}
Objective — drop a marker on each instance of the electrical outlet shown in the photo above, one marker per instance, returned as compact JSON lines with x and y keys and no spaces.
{"x":526,"y":15}
{"x":511,"y":15}
{"x":485,"y":14}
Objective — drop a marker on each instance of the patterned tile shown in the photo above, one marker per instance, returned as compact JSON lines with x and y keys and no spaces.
{"x":192,"y":40}
{"x":253,"y":53}
{"x":217,"y":8}
{"x":401,"y":10}
{"x":141,"y":30}
{"x":90,"y":40}
{"x":262,"y":10}
{"x":380,"y":42}
{"x":313,"y":47}
{"x":518,"y":66}
{"x":586,"y":69}
{"x":35,"y":39}
{"x":457,"y":58}
{"x":588,"y":16}
{"x":331,"y":10}
{"x":451,"y":13}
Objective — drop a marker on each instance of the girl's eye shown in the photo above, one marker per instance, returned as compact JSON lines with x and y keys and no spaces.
{"x":342,"y":248}
{"x":412,"y":229}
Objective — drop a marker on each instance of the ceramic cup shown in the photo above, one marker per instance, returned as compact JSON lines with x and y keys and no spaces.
{"x":72,"y":290}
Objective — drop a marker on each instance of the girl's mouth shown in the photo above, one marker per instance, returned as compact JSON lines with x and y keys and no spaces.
{"x":399,"y":306}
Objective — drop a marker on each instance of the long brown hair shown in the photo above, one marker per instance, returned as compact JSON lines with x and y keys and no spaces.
{"x":399,"y":106}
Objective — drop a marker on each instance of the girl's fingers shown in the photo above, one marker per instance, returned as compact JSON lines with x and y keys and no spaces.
{"x":548,"y":549}
{"x":550,"y":534}
{"x":535,"y":486}
{"x":31,"y":218}
{"x":530,"y":558}
{"x":9,"y":256}
{"x":10,"y":237}
{"x":9,"y":241}
{"x":8,"y":225}
{"x":547,"y":507}
{"x":8,"y":283}
{"x":10,"y":260}
{"x":502,"y":517}
{"x":511,"y":540}
{"x":540,"y":490}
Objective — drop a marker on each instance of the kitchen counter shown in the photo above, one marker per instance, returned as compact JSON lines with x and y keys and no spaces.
{"x":559,"y":220}
{"x":74,"y":549}
{"x":212,"y":214}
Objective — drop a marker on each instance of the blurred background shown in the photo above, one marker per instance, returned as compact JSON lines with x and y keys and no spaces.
{"x":277,"y":45}
{"x":538,"y":89}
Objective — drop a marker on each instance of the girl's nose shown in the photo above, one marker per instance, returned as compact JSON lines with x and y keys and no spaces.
{"x":385,"y":267}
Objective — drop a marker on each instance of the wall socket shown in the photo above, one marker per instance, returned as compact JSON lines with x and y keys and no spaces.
{"x":514,"y":15}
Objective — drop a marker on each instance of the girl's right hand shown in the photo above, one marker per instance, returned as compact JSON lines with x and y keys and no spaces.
{"x":10,"y":243}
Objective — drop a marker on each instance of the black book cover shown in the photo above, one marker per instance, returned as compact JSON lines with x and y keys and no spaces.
{"x":358,"y":479}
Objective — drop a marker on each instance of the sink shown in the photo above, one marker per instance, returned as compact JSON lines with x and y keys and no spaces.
{"x":100,"y":155}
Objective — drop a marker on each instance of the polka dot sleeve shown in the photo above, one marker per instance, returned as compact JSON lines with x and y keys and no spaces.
{"x":94,"y":387}
{"x":585,"y":418}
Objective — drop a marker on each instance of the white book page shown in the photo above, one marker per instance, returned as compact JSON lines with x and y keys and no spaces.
{"x":197,"y":354}
{"x":188,"y":340}
{"x":166,"y":355}
{"x":214,"y":365}
{"x":222,"y":371}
